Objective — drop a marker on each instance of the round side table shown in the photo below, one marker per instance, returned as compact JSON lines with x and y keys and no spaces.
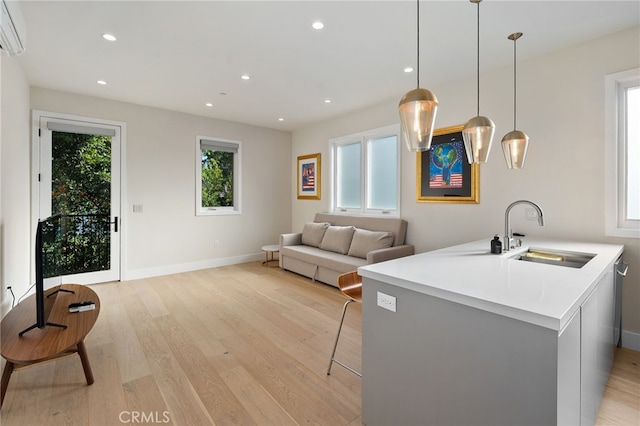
{"x":269,"y":250}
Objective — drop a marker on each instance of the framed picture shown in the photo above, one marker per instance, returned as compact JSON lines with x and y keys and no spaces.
{"x":443,"y":173}
{"x":309,"y":177}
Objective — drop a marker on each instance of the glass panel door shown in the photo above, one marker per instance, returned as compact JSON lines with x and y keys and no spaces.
{"x":80,"y":187}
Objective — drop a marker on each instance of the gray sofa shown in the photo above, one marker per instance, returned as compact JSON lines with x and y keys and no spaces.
{"x":334,"y":244}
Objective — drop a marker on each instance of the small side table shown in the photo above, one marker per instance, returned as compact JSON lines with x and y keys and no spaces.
{"x":269,"y":250}
{"x":40,"y":345}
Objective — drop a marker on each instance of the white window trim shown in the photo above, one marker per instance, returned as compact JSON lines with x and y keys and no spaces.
{"x":615,"y":158}
{"x":237,"y":180}
{"x":362,"y":138}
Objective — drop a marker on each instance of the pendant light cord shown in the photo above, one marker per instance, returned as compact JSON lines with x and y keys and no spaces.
{"x":478,"y":59}
{"x":418,"y":42}
{"x":514,"y":84}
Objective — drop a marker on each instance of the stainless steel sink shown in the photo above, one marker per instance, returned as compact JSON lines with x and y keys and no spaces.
{"x":570,"y":259}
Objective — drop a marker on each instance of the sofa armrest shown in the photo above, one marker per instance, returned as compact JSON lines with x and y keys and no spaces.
{"x":389,"y":253}
{"x":294,"y":239}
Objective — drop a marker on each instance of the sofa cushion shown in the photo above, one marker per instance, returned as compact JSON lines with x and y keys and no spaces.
{"x":313,"y":232}
{"x":322,"y":258}
{"x":395,"y":225}
{"x":365,"y":241}
{"x":337,"y":239}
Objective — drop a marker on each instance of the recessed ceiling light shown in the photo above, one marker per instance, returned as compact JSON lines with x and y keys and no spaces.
{"x":327,"y":101}
{"x":281,"y":119}
{"x":101,"y":82}
{"x":109,"y":37}
{"x":245,"y":77}
{"x":317,"y":25}
{"x":209,"y":104}
{"x":408,"y":69}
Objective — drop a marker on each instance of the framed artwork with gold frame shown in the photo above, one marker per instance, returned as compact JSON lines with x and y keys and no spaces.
{"x":443,"y":174}
{"x":309,"y":167}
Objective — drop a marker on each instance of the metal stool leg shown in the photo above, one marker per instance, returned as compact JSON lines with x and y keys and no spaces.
{"x":335,"y":346}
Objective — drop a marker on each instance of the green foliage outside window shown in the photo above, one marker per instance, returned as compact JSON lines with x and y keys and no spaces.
{"x":81,"y":177}
{"x":80,"y":240}
{"x":217,"y":178}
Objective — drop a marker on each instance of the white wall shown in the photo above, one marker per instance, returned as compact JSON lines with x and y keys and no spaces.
{"x":2,"y":299}
{"x":167,"y":237}
{"x":560,"y":107}
{"x":15,"y":233}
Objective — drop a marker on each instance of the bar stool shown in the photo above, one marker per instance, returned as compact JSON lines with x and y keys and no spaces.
{"x":350,"y":285}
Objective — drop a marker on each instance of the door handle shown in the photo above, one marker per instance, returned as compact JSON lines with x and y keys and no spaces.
{"x":115,"y":223}
{"x":622,"y":268}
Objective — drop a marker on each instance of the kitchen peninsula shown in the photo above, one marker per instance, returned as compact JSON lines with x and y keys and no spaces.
{"x":462,"y":336}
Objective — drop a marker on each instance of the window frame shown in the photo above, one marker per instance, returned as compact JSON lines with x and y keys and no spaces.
{"x":363,"y":139}
{"x":237,"y":178}
{"x":616,"y":155}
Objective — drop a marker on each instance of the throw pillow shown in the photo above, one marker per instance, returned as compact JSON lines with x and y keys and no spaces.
{"x":365,"y":241}
{"x":337,"y":239}
{"x":313,"y":232}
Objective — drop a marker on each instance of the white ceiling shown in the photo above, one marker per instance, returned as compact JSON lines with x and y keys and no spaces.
{"x":178,"y":55}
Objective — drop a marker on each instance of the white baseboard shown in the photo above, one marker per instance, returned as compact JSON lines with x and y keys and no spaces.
{"x":187,"y":267}
{"x":631,"y":340}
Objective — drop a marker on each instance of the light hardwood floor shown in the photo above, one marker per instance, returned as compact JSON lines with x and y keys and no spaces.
{"x":621,"y":402}
{"x":242,"y":344}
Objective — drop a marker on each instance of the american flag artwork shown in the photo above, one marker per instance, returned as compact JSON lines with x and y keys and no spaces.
{"x":455,"y":181}
{"x":308,"y":177}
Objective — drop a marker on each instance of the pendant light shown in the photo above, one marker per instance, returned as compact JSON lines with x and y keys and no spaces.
{"x":418,"y":109}
{"x":477,"y":133}
{"x":515,"y":143}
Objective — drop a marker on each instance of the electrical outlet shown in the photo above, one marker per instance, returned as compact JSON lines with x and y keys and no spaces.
{"x":531,"y":214}
{"x":216,"y":243}
{"x":387,"y":302}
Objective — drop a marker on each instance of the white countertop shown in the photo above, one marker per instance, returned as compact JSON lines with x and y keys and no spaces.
{"x":541,"y":294}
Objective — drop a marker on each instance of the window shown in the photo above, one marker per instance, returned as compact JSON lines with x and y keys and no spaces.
{"x":622,"y":154}
{"x":365,"y":172}
{"x":217,"y":176}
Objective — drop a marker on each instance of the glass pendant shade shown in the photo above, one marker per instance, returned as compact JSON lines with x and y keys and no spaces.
{"x":477,"y":135}
{"x":515,"y":143}
{"x":418,"y":107}
{"x":514,"y":147}
{"x":417,"y":117}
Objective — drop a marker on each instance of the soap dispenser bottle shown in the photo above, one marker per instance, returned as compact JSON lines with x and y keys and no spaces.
{"x":496,"y":245}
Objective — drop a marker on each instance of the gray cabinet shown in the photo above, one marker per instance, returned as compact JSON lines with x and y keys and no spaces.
{"x":434,"y":361}
{"x":597,"y":346}
{"x":569,"y":373}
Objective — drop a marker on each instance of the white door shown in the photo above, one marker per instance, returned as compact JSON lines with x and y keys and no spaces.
{"x":79,"y":188}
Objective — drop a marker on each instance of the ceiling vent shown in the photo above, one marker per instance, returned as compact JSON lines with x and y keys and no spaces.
{"x":12,"y":28}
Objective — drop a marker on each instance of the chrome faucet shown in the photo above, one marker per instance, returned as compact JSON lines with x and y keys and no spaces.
{"x":508,"y":237}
